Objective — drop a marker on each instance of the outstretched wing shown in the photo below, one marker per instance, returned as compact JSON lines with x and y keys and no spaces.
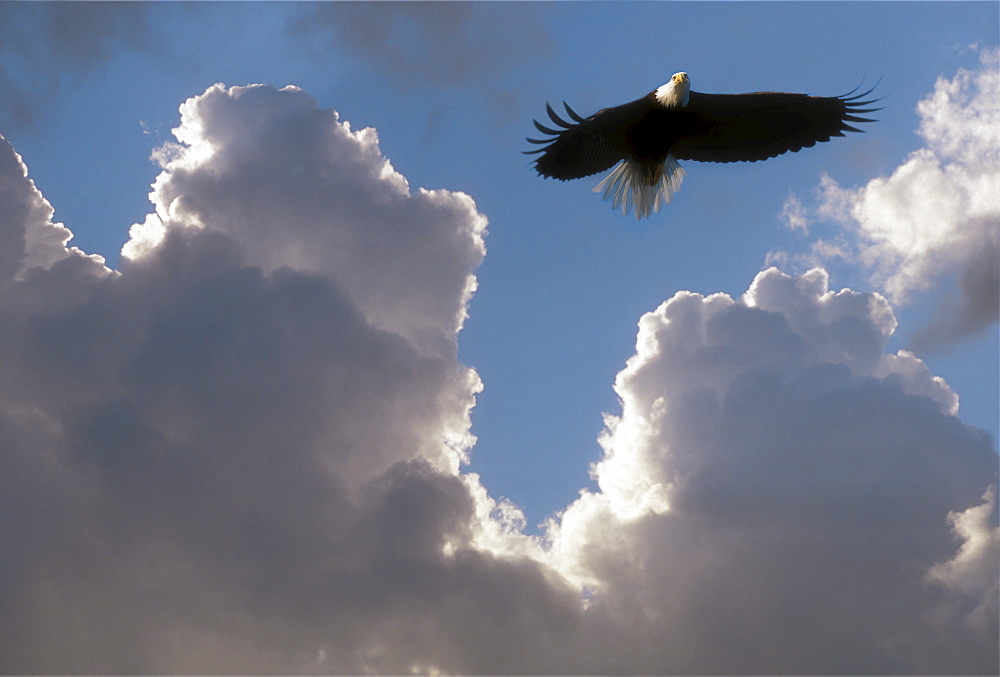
{"x":751,"y":127}
{"x":585,"y":146}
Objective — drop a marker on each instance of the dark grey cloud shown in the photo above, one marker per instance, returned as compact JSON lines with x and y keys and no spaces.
{"x":476,"y":47}
{"x":241,"y":451}
{"x":430,"y":43}
{"x":426,"y":40}
{"x":44,"y":46}
{"x":976,"y":305}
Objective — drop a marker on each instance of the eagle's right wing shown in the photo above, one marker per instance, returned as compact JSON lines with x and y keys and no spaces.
{"x":585,"y":146}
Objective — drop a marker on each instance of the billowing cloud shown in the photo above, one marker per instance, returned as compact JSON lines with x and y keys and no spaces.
{"x":241,"y":451}
{"x":29,"y":238}
{"x":938,"y":214}
{"x":772,"y":493}
{"x":284,"y":178}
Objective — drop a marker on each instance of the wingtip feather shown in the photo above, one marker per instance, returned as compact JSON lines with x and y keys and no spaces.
{"x":555,"y":117}
{"x":572,"y":113}
{"x":545,"y":130}
{"x":848,"y":96}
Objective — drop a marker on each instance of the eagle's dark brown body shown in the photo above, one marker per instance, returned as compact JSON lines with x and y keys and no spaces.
{"x":710,"y":128}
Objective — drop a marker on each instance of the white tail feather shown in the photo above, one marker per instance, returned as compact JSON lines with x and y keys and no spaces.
{"x":631,"y":185}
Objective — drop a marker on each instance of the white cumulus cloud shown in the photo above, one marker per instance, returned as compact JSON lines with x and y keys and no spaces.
{"x":241,"y":452}
{"x":776,"y":489}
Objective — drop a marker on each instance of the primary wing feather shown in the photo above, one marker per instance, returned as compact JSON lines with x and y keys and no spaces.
{"x":761,"y":125}
{"x":585,"y":146}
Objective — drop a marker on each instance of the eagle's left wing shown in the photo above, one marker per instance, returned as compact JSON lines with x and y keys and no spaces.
{"x":751,"y":127}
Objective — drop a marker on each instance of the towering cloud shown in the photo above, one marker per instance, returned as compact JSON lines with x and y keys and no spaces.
{"x":241,"y":451}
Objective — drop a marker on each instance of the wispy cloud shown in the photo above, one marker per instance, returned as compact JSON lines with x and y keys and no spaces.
{"x":938,"y":214}
{"x":795,"y":214}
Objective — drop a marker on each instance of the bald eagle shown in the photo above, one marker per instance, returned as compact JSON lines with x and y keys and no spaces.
{"x":648,"y":136}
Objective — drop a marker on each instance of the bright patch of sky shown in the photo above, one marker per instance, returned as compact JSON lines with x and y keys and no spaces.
{"x":270,"y":395}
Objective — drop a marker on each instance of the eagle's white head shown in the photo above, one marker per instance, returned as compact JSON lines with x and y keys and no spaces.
{"x":674,"y":94}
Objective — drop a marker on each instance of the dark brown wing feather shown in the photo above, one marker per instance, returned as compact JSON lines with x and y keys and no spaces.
{"x":582,"y":147}
{"x":751,"y":127}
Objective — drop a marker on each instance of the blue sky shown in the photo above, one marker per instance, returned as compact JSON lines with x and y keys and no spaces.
{"x":451,"y":90}
{"x":552,"y":297}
